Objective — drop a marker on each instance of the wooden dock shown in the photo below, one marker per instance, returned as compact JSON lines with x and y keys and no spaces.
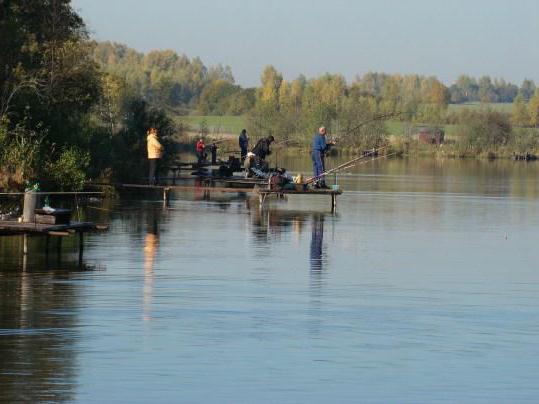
{"x":263,"y":192}
{"x":14,"y":228}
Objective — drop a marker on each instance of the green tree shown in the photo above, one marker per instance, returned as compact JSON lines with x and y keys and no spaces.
{"x":484,"y":130}
{"x":48,"y":80}
{"x":486,"y":90}
{"x":527,"y":89}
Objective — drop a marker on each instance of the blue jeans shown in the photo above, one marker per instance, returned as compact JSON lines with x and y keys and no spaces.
{"x":318,"y":166}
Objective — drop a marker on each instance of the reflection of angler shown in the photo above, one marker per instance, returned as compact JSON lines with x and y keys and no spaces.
{"x":316,"y":243}
{"x":151,"y":244}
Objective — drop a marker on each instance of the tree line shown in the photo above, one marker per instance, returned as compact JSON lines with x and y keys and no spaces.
{"x":71,"y":108}
{"x":175,"y":81}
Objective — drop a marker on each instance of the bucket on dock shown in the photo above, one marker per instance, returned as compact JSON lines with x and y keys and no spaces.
{"x":30,"y":204}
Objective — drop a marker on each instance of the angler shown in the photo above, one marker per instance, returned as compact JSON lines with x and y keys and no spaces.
{"x":319,"y":149}
{"x":257,"y":157}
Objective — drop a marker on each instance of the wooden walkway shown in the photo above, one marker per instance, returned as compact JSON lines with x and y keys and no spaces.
{"x":13,"y":228}
{"x":263,"y":193}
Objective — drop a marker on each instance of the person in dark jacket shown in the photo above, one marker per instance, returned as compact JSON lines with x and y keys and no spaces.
{"x":262,"y":148}
{"x":319,"y":148}
{"x":244,"y":144}
{"x":213,"y":150}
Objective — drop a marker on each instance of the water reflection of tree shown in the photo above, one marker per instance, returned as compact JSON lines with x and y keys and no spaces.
{"x":38,"y":318}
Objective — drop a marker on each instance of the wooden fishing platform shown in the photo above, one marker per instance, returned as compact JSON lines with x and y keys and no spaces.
{"x":262,"y":192}
{"x":14,"y":228}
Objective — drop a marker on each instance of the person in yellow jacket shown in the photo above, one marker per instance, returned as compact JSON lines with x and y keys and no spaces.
{"x":155,"y":152}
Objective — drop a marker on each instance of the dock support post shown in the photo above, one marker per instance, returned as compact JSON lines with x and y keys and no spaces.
{"x":333,"y":203}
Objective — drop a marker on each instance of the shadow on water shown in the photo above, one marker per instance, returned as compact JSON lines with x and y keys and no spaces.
{"x":39,"y":314}
{"x":38,"y":333}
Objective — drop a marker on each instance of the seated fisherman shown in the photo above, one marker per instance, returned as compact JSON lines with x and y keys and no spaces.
{"x":262,"y":148}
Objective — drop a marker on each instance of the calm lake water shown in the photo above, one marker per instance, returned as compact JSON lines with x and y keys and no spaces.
{"x":423,"y":287}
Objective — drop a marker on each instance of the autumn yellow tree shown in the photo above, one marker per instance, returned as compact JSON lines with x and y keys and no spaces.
{"x":533,"y":107}
{"x":519,"y":112}
{"x":271,"y":82}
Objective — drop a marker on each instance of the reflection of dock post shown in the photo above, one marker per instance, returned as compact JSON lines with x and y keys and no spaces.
{"x":166,"y":197}
{"x":25,"y":244}
{"x":47,"y":243}
{"x":261,"y":199}
{"x":81,"y":246}
{"x":333,"y":203}
{"x":59,"y":247}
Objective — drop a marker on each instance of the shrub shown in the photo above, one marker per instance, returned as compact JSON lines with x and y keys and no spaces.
{"x":68,"y":172}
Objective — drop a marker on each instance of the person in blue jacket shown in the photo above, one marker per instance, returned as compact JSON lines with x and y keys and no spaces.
{"x":319,"y":148}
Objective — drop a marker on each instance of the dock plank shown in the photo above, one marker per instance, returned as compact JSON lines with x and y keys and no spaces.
{"x":8,"y":228}
{"x":296,"y":192}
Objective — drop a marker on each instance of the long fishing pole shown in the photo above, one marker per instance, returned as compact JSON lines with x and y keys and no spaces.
{"x":374,"y":119}
{"x":368,"y":161}
{"x":352,"y":162}
{"x":220,"y":141}
{"x":371,"y":153}
{"x":346,"y":165}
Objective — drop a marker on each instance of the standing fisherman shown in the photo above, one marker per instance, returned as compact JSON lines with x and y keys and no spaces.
{"x":319,"y":148}
{"x":155,"y":152}
{"x":244,"y":144}
{"x":213,"y":150}
{"x":200,"y":150}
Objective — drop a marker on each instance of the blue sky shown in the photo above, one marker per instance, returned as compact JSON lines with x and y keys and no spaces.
{"x":437,"y":37}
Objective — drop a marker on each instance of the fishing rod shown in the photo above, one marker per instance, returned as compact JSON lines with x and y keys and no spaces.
{"x":376,"y":118}
{"x":283,"y":142}
{"x":367,"y":161}
{"x":371,"y":153}
{"x":219,"y":141}
{"x":346,"y":165}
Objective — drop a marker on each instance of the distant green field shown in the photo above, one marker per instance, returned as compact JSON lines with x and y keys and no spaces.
{"x":234,"y":124}
{"x":215,"y":124}
{"x":397,"y":128}
{"x":499,"y":106}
